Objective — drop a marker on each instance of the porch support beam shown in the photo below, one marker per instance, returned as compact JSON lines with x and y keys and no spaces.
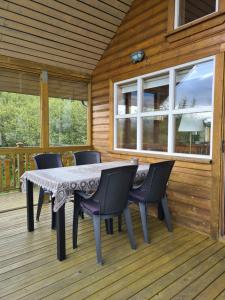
{"x":44,"y":142}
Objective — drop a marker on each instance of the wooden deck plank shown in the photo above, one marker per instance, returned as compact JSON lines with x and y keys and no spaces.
{"x":169,"y":285}
{"x":128,"y":284}
{"x":179,"y":264}
{"x":194,"y":289}
{"x":214,"y":289}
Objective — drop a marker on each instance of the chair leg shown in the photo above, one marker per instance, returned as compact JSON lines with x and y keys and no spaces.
{"x":76,"y":210}
{"x":81,"y":213}
{"x":109,"y":226}
{"x":167,"y":213}
{"x":120,"y":223}
{"x":144,"y":220}
{"x":97,"y":232}
{"x":53,"y":215}
{"x":160,"y":211}
{"x":129,"y":227}
{"x":40,"y":203}
{"x":106,"y":226}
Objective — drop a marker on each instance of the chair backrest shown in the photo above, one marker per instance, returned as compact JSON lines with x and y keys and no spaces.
{"x":48,"y":161}
{"x":114,"y":186}
{"x":87,"y":157}
{"x":154,"y":186}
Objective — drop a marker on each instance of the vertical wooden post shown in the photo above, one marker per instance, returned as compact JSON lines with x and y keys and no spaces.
{"x":111,"y":115}
{"x":89,"y":117}
{"x":217,"y":162}
{"x":44,"y":110}
{"x":1,"y":175}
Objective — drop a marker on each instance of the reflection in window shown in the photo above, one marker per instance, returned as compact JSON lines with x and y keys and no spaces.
{"x":190,"y":10}
{"x":155,"y":133}
{"x":127,"y":133}
{"x":127,"y":99}
{"x":193,"y":133}
{"x":156,"y":93}
{"x":194,"y":85}
{"x":174,"y":112}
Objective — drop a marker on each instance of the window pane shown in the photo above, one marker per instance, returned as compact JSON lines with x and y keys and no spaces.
{"x":127,"y":99}
{"x":127,"y":133}
{"x":194,"y":85}
{"x":155,"y":133}
{"x":191,"y":10}
{"x":20,"y":108}
{"x":67,"y":122}
{"x":193,"y":133}
{"x":67,"y":112}
{"x":156,"y":93}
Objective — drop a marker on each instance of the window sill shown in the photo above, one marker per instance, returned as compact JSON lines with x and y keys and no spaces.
{"x":197,"y":26}
{"x":165,"y":156}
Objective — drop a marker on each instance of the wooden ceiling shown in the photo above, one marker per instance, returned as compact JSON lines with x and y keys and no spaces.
{"x":71,"y":34}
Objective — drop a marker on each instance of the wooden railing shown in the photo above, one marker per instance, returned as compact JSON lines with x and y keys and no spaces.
{"x":15,"y":161}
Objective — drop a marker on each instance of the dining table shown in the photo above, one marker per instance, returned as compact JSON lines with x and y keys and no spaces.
{"x":62,"y":184}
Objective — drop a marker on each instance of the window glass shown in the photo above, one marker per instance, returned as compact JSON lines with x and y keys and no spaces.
{"x":194,"y":86}
{"x":67,"y":112}
{"x":193,"y":133}
{"x":127,"y":133}
{"x":155,"y":133}
{"x":156,"y":93}
{"x":20,"y":108}
{"x":176,"y":111}
{"x":127,"y":99}
{"x":190,"y":10}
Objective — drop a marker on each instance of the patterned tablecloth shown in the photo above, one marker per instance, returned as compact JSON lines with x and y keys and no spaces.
{"x":62,"y":182}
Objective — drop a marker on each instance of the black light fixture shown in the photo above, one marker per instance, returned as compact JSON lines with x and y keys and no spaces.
{"x":137,"y":56}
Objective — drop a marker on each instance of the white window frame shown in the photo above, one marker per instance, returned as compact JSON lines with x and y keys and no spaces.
{"x":177,"y":10}
{"x":171,"y":112}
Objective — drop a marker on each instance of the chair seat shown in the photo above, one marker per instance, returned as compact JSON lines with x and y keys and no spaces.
{"x":136,"y":196}
{"x":91,"y":206}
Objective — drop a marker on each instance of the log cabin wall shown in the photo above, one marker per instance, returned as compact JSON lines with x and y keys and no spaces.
{"x":194,"y":188}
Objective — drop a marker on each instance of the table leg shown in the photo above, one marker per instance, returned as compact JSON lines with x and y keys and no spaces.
{"x":61,"y":240}
{"x":30,"y":206}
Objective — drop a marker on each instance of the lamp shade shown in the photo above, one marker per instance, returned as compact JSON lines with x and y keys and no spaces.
{"x":190,"y":123}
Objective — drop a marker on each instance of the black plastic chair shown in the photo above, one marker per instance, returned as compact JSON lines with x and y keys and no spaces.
{"x":110,"y":199}
{"x":47,"y":161}
{"x":87,"y":157}
{"x":153,"y":190}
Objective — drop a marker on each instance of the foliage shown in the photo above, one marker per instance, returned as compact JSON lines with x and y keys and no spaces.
{"x":20,"y":120}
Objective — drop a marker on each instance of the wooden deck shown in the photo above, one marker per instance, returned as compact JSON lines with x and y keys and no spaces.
{"x":15,"y":199}
{"x":178,"y":265}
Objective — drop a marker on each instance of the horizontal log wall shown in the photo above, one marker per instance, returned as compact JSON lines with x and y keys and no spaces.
{"x":193,"y":186}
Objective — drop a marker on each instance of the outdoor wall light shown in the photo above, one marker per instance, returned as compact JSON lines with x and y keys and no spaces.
{"x":137,"y":56}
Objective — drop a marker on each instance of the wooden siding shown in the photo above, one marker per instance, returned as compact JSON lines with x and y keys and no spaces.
{"x":179,"y":265}
{"x":69,"y":34}
{"x":194,"y":189}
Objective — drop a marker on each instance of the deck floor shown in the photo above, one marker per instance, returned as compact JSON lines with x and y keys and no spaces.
{"x":178,"y":265}
{"x":15,"y":199}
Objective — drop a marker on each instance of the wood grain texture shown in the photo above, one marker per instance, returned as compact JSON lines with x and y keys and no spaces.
{"x":182,"y":263}
{"x":192,"y":188}
{"x":65,"y":34}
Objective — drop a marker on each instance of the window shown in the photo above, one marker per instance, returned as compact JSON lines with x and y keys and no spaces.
{"x":20,"y":108}
{"x":67,"y":112}
{"x":189,"y":10}
{"x":168,"y":112}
